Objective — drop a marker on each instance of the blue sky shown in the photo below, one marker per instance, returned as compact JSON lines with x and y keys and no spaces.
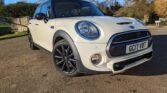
{"x":31,"y":1}
{"x":14,"y":1}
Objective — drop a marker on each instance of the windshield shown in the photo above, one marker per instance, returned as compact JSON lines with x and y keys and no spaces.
{"x":76,"y":9}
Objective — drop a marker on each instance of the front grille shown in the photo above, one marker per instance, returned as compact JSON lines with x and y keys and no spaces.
{"x":121,"y":65}
{"x":131,"y":36}
{"x":118,"y":42}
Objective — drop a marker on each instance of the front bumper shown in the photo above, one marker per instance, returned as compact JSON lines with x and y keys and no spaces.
{"x":86,"y":50}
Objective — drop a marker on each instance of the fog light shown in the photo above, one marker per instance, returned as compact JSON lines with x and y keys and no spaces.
{"x":119,"y":66}
{"x":96,"y":59}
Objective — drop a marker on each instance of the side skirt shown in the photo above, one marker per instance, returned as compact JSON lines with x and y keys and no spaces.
{"x":40,"y":47}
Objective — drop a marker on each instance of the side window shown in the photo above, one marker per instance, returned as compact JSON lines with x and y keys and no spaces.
{"x":37,"y":11}
{"x":46,"y":9}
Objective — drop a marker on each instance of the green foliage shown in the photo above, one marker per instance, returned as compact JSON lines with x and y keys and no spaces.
{"x":17,"y":10}
{"x":1,"y":7}
{"x":5,"y":29}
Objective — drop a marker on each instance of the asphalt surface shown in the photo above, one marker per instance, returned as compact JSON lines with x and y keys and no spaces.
{"x":25,"y":71}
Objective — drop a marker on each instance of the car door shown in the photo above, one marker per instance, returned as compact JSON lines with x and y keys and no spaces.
{"x":33,"y":26}
{"x":44,"y":28}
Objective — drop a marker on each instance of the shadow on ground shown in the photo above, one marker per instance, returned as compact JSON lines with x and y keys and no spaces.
{"x":158,"y":65}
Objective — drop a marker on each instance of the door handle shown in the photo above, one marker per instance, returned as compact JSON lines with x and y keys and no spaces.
{"x":52,"y":27}
{"x":36,"y":24}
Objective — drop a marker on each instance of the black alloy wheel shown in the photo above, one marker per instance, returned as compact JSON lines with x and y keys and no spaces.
{"x":64,"y":58}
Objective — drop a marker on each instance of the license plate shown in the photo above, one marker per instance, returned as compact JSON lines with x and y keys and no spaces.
{"x":136,"y":47}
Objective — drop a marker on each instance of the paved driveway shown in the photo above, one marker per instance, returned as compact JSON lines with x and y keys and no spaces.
{"x":25,"y":71}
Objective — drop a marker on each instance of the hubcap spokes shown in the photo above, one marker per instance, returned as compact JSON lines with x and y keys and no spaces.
{"x":64,"y":59}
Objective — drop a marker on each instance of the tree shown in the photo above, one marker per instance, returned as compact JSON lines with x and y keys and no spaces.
{"x":18,"y":10}
{"x":160,"y":7}
{"x":136,"y":8}
{"x":1,"y":2}
{"x":128,"y":3}
{"x":109,"y":7}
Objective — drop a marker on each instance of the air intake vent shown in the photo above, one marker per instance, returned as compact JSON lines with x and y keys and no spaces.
{"x":124,"y":23}
{"x":131,"y":36}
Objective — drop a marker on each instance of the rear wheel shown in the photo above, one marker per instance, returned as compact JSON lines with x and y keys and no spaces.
{"x":31,"y":43}
{"x":65,"y":59}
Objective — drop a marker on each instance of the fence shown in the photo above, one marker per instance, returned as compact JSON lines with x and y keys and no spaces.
{"x":161,"y":21}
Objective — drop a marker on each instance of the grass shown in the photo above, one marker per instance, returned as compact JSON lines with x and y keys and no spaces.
{"x":13,"y":35}
{"x":5,"y":32}
{"x":4,"y":25}
{"x":5,"y":29}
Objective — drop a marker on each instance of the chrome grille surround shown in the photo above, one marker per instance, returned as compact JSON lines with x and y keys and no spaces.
{"x":120,"y":47}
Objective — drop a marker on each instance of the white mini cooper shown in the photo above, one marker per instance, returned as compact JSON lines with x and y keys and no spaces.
{"x":83,"y":40}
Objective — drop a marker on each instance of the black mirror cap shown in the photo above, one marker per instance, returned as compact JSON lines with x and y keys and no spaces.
{"x":40,"y":16}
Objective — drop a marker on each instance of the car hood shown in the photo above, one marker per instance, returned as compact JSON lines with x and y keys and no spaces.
{"x":105,"y":19}
{"x":113,"y":24}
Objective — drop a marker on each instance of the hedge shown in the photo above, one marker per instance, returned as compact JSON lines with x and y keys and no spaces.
{"x":18,"y":10}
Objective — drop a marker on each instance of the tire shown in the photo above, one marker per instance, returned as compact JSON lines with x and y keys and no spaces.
{"x":31,"y":43}
{"x":65,"y":59}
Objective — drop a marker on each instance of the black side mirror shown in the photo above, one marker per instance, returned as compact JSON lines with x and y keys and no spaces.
{"x":41,"y":16}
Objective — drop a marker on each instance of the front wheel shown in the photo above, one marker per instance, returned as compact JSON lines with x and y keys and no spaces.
{"x":65,"y":59}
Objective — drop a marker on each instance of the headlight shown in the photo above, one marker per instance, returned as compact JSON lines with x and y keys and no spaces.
{"x":87,"y":30}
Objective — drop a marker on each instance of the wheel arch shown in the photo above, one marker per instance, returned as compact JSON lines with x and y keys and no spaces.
{"x":61,"y":34}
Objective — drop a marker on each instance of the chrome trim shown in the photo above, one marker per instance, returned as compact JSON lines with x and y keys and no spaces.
{"x":121,"y":33}
{"x":132,"y":40}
